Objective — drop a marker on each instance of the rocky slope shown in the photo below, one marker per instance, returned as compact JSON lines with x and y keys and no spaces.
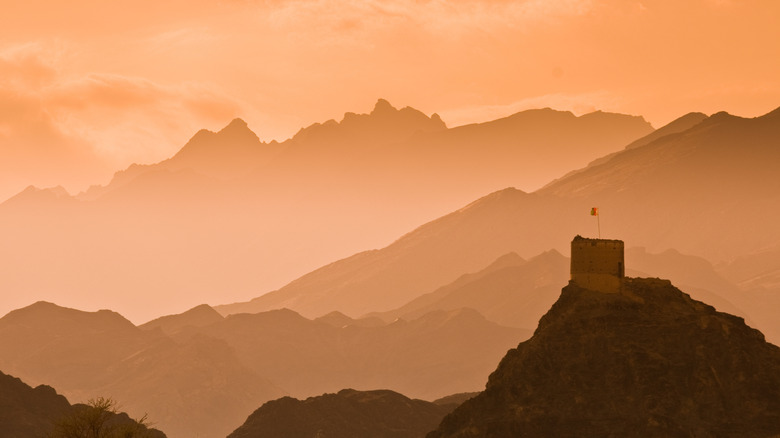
{"x":347,"y":414}
{"x":27,"y":411}
{"x":36,"y":412}
{"x":648,"y":361}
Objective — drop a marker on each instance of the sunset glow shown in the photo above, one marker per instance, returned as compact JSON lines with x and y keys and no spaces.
{"x":90,"y":87}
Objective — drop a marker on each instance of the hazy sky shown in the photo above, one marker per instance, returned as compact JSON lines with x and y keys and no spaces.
{"x":90,"y":86}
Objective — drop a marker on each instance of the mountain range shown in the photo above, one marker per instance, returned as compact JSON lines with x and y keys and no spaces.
{"x":199,"y":373}
{"x":427,"y":315}
{"x":229,"y":216}
{"x":691,"y":192}
{"x":186,"y":388}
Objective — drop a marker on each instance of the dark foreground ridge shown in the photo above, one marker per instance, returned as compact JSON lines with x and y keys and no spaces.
{"x":347,"y":414}
{"x":646,"y":361}
{"x":27,"y":412}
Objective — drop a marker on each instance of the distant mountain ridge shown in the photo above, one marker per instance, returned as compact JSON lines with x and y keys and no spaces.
{"x":86,"y":355}
{"x":200,"y":373}
{"x":229,"y":215}
{"x":691,"y":190}
{"x":437,"y":354}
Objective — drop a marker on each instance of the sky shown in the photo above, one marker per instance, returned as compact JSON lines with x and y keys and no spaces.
{"x":88,"y":87}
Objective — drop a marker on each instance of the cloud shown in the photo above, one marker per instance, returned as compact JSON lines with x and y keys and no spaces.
{"x":76,"y":130}
{"x":445,"y":19}
{"x":27,"y":65}
{"x":130,"y":119}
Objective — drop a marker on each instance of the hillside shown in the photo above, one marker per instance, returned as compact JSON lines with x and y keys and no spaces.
{"x":676,"y":191}
{"x":27,"y":411}
{"x":229,"y":216}
{"x":187,"y":387}
{"x":648,"y":361}
{"x":510,"y":291}
{"x":346,"y":414}
{"x":198,"y":316}
{"x":432,"y":255}
{"x":437,"y":354}
{"x":682,"y":191}
{"x":40,"y":412}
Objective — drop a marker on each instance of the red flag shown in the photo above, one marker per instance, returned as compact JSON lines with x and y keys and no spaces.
{"x":594,"y":211}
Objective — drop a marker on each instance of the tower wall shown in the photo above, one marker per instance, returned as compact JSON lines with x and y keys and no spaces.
{"x":597,"y":264}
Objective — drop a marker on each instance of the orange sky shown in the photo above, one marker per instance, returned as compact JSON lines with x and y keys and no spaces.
{"x":88,"y":86}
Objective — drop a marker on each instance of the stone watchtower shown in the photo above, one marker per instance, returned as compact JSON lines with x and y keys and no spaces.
{"x":597,"y":264}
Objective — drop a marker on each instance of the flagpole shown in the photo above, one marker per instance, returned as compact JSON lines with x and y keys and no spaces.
{"x":598,"y":221}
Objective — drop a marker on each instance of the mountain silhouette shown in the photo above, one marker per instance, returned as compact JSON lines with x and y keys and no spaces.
{"x":516,"y":293}
{"x":27,"y":411}
{"x":510,"y":291}
{"x":439,"y":353}
{"x":198,"y":316}
{"x":679,"y":191}
{"x":432,"y":255}
{"x":348,"y":413}
{"x":35,"y":412}
{"x":647,"y":361}
{"x":190,"y":387}
{"x":231,"y":216}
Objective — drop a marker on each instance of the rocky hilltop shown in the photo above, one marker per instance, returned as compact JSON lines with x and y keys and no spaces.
{"x":40,"y":412}
{"x":647,"y":361}
{"x":27,"y":411}
{"x":349,"y":413}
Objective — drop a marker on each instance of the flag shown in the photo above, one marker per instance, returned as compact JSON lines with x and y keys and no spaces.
{"x":594,"y":211}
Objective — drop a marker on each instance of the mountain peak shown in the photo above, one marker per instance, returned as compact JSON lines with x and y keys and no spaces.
{"x":198,"y":316}
{"x":382,"y":106}
{"x":236,"y":124}
{"x":349,"y":413}
{"x":384,"y":122}
{"x":238,"y":129}
{"x":60,"y":319}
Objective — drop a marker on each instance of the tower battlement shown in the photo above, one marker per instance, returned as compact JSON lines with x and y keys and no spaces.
{"x":597,"y":264}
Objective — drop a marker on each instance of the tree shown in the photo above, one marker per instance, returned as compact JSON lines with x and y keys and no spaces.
{"x":99,"y":419}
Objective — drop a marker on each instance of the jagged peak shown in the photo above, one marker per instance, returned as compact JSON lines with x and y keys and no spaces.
{"x":238,"y":128}
{"x":384,"y":116}
{"x":552,"y":254}
{"x":382,"y":106}
{"x":235,"y":124}
{"x":435,"y":117}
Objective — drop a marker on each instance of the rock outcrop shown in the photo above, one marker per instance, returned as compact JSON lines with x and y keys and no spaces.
{"x":647,"y":361}
{"x":349,"y":413}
